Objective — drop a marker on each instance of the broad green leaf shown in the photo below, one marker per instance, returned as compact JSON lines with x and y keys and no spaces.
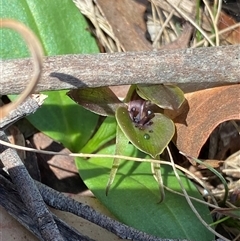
{"x":100,"y":100}
{"x":105,"y":133}
{"x":62,"y":30}
{"x":58,"y":24}
{"x":165,"y":96}
{"x":153,"y":139}
{"x":64,"y":121}
{"x":134,"y":197}
{"x":121,"y":145}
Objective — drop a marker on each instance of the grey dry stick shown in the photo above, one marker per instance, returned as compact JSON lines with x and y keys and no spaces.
{"x":191,"y":69}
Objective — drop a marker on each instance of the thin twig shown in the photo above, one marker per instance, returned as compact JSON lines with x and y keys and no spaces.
{"x":191,"y":204}
{"x":163,"y":26}
{"x":225,"y":30}
{"x":213,"y":21}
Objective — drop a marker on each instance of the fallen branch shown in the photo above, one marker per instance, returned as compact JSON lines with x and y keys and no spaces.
{"x":12,"y":202}
{"x":191,"y":69}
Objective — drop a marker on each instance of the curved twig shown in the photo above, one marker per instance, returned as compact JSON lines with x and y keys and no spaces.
{"x":37,"y":53}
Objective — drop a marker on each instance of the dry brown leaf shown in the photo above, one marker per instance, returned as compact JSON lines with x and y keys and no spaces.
{"x":202,"y":113}
{"x":183,"y":40}
{"x":16,"y":137}
{"x":58,"y":172}
{"x":127,"y":21}
{"x":226,"y":21}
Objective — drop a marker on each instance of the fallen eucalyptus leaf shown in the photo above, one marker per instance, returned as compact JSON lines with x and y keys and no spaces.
{"x":202,"y":113}
{"x":126,"y":13}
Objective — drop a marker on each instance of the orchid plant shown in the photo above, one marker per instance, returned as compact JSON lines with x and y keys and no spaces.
{"x":140,"y":119}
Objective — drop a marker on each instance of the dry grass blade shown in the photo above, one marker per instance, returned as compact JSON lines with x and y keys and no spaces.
{"x":228,"y":29}
{"x":232,"y":165}
{"x":103,"y":30}
{"x":164,"y":20}
{"x":163,"y":27}
{"x":190,"y":202}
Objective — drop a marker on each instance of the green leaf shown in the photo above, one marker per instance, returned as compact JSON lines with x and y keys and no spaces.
{"x":58,"y":24}
{"x":165,"y":96}
{"x":134,"y":197}
{"x":121,"y":145}
{"x":64,"y":121}
{"x":105,"y":133}
{"x":62,"y":30}
{"x":130,"y":93}
{"x":100,"y":100}
{"x":153,"y":139}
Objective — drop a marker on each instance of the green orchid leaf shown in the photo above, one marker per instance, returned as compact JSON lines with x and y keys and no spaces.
{"x":165,"y":96}
{"x":62,"y":30}
{"x":121,"y":145}
{"x":100,"y":100}
{"x":64,"y":121}
{"x":153,"y":138}
{"x":134,"y":197}
{"x":130,"y":93}
{"x":105,"y":133}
